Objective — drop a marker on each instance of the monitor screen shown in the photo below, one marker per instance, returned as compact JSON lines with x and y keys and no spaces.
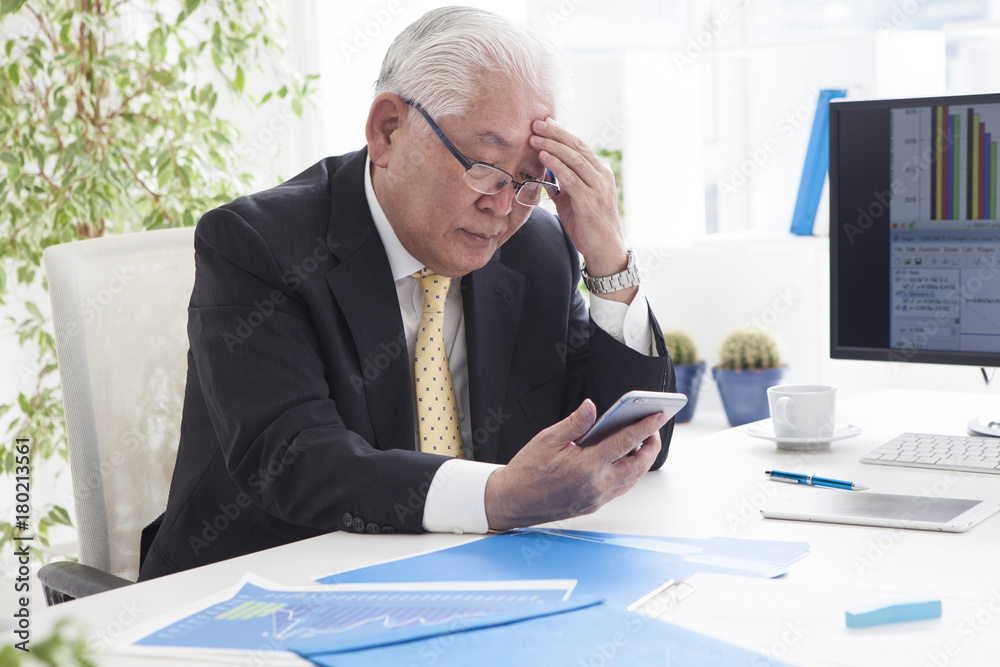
{"x":915,"y":230}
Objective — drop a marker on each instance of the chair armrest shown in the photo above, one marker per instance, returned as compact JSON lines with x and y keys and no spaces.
{"x":67,"y":581}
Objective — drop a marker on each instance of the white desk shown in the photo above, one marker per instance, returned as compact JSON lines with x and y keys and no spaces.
{"x":714,"y":486}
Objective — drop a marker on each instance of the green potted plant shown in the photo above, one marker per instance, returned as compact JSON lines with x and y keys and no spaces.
{"x":688,"y":370}
{"x":749,"y":363}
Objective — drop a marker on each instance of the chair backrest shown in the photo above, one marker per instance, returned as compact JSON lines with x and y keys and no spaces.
{"x":119,"y":306}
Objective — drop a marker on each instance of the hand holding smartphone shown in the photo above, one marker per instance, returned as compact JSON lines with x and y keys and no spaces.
{"x":630,"y":408}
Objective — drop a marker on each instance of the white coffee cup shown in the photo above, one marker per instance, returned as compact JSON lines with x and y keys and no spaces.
{"x":802,"y":410}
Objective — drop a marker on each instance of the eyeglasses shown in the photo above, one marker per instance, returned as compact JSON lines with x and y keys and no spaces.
{"x":489,"y":180}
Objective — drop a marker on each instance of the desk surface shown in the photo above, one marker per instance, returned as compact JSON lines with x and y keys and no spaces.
{"x":715,"y":486}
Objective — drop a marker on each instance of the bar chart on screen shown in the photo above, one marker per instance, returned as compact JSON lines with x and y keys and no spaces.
{"x":944,"y":166}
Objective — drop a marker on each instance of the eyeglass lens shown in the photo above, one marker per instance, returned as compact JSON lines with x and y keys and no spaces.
{"x":487,"y":180}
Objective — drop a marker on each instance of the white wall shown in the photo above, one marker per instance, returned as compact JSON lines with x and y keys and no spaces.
{"x":780,"y":283}
{"x":775,"y":282}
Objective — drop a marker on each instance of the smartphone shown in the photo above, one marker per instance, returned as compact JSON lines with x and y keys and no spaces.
{"x":630,"y":408}
{"x":953,"y":515}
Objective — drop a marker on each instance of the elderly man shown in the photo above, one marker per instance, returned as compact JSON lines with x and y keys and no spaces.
{"x":394,"y":340}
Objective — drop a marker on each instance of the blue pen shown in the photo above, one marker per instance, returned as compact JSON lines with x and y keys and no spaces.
{"x":812,"y":480}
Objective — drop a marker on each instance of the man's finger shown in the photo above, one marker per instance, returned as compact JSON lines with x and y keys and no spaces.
{"x":552,"y":130}
{"x":578,"y":423}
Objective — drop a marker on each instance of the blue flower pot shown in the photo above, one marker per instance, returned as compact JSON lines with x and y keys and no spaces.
{"x":744,"y":393}
{"x":689,"y":384}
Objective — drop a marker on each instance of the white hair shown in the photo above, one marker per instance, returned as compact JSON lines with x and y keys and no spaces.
{"x":440,"y":60}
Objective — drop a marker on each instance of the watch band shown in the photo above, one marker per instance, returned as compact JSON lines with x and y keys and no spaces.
{"x":618,"y":281}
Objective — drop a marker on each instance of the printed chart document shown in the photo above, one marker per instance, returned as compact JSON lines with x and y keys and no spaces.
{"x":262,"y":617}
{"x":524,"y":596}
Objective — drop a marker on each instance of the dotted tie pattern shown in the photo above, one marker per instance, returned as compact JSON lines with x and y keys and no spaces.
{"x":437,"y":412}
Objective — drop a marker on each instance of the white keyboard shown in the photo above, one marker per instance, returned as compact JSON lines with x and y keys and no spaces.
{"x":943,"y":452}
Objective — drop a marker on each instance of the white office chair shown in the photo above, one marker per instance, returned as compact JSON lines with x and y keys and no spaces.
{"x":119,"y":306}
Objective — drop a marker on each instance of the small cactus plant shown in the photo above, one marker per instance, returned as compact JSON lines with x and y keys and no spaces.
{"x":748,"y":350}
{"x":681,"y":347}
{"x":688,"y":370}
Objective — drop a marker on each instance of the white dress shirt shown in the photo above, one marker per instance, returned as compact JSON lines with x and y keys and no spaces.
{"x":456,"y":498}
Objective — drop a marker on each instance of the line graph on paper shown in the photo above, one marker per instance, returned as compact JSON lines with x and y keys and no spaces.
{"x":258,"y":618}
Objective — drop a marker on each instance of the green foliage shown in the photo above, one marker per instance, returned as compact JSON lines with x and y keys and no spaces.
{"x":64,"y":648}
{"x":109,"y":124}
{"x":681,"y":347}
{"x":749,"y":349}
{"x":614,"y":158}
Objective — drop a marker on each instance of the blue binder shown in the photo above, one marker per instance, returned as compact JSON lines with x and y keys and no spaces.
{"x":816,"y":166}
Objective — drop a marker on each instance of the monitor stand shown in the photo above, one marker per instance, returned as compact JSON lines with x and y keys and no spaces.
{"x":984,"y":426}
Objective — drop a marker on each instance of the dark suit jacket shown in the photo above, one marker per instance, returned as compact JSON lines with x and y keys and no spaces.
{"x":298,"y":415}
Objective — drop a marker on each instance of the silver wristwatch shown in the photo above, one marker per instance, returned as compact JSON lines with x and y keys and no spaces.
{"x":627,"y":278}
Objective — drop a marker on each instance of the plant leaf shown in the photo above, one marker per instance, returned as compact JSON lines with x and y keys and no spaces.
{"x":10,"y":6}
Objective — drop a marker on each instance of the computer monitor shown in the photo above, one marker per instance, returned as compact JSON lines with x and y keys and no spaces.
{"x":915,"y":232}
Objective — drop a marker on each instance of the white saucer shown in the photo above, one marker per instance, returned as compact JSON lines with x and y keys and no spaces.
{"x":765,"y":430}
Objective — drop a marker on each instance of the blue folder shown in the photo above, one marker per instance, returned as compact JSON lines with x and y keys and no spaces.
{"x":593,"y":634}
{"x":602,"y":564}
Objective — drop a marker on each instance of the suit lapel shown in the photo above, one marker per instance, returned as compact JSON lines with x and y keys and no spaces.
{"x":362,"y":286}
{"x":492,"y":299}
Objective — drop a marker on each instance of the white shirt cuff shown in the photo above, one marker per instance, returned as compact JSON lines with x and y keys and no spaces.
{"x":456,"y":500}
{"x":628,"y":324}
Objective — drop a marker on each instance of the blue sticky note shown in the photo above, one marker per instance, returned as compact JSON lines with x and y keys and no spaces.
{"x":894,"y":610}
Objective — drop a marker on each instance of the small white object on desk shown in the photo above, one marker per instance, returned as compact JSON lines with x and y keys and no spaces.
{"x":763,"y":429}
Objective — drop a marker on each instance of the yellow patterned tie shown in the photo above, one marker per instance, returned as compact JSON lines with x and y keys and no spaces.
{"x":437,"y":413}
